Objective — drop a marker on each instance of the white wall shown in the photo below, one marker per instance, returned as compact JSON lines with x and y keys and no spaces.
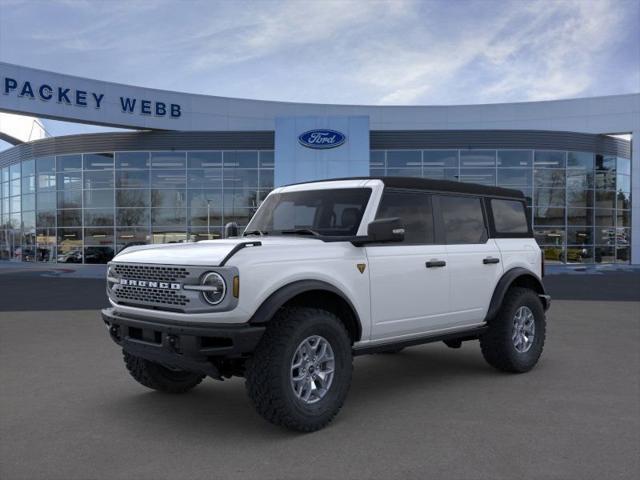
{"x":612,"y":114}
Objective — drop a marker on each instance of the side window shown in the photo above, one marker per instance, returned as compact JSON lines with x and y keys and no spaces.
{"x":462,"y":219}
{"x":414,"y":210}
{"x":509,"y":216}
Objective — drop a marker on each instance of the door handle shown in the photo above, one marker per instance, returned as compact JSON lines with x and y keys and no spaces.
{"x":490,"y":260}
{"x":436,"y":263}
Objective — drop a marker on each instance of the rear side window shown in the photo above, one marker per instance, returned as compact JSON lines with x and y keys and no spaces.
{"x":462,"y":219}
{"x":414,"y":211}
{"x":509,"y":216}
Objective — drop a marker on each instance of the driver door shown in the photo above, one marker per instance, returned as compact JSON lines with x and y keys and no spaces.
{"x":409,"y":280}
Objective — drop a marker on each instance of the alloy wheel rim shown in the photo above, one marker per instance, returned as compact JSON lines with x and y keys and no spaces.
{"x":312,"y":369}
{"x":524,"y":329}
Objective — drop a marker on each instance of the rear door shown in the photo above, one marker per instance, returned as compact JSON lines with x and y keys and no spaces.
{"x":513,"y":234}
{"x":474,"y":260}
{"x":409,"y":280}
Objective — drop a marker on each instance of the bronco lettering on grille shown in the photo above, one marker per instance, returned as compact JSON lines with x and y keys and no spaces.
{"x":150,"y":284}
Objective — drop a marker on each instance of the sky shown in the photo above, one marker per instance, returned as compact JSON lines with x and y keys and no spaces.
{"x":395,"y":52}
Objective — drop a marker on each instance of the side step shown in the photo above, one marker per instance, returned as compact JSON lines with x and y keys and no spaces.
{"x":448,"y":338}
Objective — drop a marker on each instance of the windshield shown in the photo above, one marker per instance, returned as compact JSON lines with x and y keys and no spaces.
{"x":332,"y":212}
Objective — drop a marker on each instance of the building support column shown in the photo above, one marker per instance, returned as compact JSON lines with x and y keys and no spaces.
{"x":635,"y":197}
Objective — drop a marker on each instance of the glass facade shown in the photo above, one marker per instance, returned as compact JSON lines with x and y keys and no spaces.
{"x":580,"y":202}
{"x":84,"y":208}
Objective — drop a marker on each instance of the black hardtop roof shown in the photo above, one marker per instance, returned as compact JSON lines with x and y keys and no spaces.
{"x":418,"y":183}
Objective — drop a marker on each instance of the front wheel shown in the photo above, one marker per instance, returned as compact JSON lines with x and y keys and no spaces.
{"x":515,"y":338}
{"x":158,"y":377}
{"x":300,"y":372}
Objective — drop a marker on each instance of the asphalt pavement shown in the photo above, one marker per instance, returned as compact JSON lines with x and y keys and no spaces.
{"x":69,"y":410}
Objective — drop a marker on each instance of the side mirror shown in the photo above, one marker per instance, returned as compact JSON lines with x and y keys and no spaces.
{"x":382,"y":230}
{"x":231,"y":230}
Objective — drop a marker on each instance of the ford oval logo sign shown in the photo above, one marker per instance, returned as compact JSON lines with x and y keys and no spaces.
{"x":322,"y":138}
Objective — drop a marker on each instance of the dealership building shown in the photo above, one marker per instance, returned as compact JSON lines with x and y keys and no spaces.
{"x":192,"y":163}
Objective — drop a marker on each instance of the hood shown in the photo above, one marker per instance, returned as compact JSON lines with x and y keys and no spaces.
{"x":208,"y":252}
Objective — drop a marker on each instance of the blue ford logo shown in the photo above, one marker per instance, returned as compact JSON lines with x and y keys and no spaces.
{"x":322,"y":138}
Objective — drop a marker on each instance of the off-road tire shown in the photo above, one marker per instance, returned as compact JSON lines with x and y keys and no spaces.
{"x":268,"y":373}
{"x":496,"y":343}
{"x":155,"y":376}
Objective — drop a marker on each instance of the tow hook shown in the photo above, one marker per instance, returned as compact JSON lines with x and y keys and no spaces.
{"x":172,"y":340}
{"x":114,"y":331}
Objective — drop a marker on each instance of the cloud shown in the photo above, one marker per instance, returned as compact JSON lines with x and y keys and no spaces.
{"x":404,"y":95}
{"x":554,"y":54}
{"x":292,"y":24}
{"x":338,"y":51}
{"x":533,"y":51}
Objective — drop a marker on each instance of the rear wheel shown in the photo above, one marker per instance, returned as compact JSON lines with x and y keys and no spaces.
{"x":158,"y":377}
{"x":515,"y":338}
{"x":300,"y":372}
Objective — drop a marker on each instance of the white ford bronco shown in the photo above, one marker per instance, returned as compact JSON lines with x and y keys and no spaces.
{"x":325,"y":271}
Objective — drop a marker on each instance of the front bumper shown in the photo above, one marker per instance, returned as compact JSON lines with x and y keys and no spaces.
{"x":175,"y":344}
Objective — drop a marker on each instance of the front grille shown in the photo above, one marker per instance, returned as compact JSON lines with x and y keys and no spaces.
{"x":149,"y":272}
{"x":156,"y":296}
{"x":145,"y":296}
{"x":162,"y":287}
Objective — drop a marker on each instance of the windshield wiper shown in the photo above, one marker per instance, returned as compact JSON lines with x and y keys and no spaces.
{"x":254,"y":232}
{"x":300,"y":231}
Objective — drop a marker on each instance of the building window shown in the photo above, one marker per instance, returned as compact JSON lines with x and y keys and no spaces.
{"x":50,"y":206}
{"x":571,"y":195}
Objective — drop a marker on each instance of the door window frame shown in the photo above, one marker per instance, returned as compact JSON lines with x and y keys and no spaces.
{"x":430,"y":200}
{"x":494,"y":233}
{"x":440,"y":227}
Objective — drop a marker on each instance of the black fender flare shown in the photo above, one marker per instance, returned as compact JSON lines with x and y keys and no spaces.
{"x":277,"y":299}
{"x":505,"y":282}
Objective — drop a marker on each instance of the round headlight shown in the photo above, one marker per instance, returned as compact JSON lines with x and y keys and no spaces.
{"x":111,"y":280}
{"x":216,"y":288}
